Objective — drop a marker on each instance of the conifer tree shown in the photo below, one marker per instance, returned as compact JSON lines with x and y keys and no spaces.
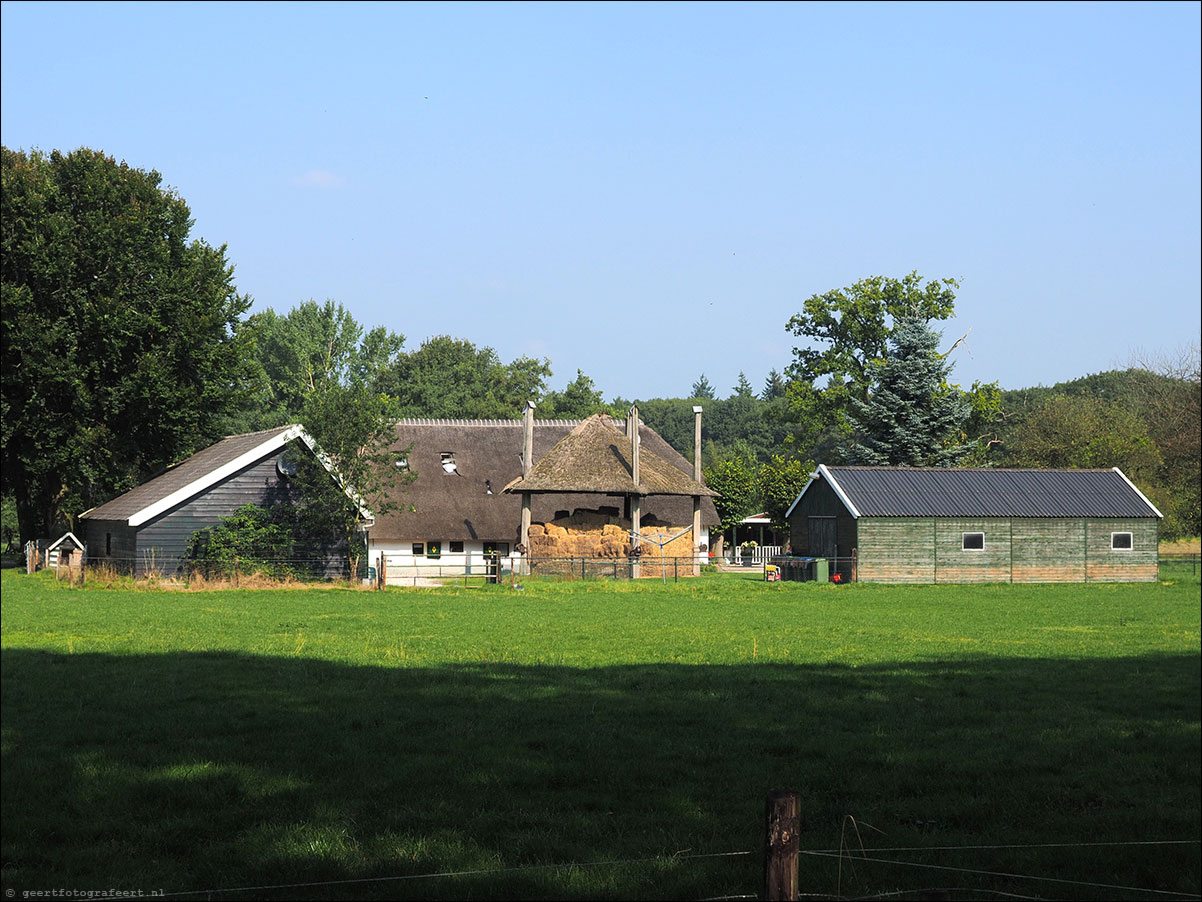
{"x":913,"y":416}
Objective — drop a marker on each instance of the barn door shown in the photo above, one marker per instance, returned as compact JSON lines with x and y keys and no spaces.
{"x":822,"y":537}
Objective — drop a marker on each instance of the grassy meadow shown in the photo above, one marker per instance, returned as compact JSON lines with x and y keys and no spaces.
{"x":526,"y":740}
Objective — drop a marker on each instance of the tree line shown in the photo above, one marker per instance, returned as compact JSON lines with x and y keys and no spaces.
{"x":126,"y":347}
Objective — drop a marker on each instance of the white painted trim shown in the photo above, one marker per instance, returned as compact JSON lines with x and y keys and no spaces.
{"x":838,"y":490}
{"x":63,"y":538}
{"x":852,"y":509}
{"x":797,"y":500}
{"x":1138,"y":492}
{"x":269,"y":446}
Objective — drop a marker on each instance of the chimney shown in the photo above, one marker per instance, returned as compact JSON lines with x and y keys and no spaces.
{"x":632,"y":429}
{"x":528,"y":439}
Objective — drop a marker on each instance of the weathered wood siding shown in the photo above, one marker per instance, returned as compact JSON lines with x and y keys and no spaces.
{"x":821,"y":501}
{"x":1024,"y":550}
{"x":896,"y":550}
{"x":955,"y":564}
{"x":1103,"y":564}
{"x":1048,"y":551}
{"x":111,"y":541}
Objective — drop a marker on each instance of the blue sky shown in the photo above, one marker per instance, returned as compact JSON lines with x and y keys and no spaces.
{"x":647,"y":192}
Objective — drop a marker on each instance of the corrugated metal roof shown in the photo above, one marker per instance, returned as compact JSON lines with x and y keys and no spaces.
{"x":941,"y":492}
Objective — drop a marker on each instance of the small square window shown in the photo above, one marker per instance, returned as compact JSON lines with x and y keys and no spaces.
{"x":1121,"y":541}
{"x":972,"y":541}
{"x":434,"y":549}
{"x":419,"y":549}
{"x":456,"y":548}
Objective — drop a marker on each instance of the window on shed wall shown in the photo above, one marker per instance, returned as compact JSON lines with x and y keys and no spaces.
{"x":419,"y":548}
{"x":456,"y":548}
{"x":1121,"y":541}
{"x":972,"y":541}
{"x":434,"y":549}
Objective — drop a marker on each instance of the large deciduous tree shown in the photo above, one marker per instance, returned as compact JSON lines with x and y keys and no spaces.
{"x":449,"y":377}
{"x":312,"y":345}
{"x":121,"y":344}
{"x":847,"y":330}
{"x":913,"y":417}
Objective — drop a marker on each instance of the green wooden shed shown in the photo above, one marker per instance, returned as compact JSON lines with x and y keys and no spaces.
{"x":942,"y":525}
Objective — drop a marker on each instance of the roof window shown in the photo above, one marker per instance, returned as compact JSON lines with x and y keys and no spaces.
{"x":448,"y":463}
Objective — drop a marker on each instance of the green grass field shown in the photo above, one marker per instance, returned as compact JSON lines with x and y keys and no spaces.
{"x":225,"y":740}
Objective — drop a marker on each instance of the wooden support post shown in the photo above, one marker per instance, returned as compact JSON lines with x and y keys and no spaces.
{"x":782,"y":839}
{"x":527,"y":465}
{"x":382,"y":572}
{"x":636,"y":502}
{"x":697,"y":498}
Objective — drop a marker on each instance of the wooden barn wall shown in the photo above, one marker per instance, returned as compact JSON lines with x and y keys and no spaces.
{"x":896,"y":550}
{"x":954,"y":564}
{"x":1104,"y":565}
{"x":930,"y":550}
{"x":1049,"y":551}
{"x":163,"y":541}
{"x":821,"y":501}
{"x":116,"y":537}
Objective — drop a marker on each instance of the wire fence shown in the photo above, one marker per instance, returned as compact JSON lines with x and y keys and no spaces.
{"x":858,"y":856}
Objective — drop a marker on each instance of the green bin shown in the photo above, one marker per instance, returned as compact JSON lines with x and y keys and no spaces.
{"x":822,"y":570}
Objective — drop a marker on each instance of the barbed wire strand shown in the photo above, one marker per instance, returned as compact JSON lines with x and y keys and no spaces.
{"x":941,"y":867}
{"x":1042,"y":845}
{"x":947,"y":889}
{"x":473,"y":873}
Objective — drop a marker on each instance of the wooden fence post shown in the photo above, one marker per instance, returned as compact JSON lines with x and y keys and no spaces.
{"x":382,"y":572}
{"x":782,"y":829}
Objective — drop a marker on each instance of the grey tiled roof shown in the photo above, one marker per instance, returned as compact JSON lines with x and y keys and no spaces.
{"x":940,"y":492}
{"x":181,"y":475}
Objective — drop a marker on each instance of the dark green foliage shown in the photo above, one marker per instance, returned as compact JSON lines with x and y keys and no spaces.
{"x":743,"y":387}
{"x":580,"y":399}
{"x":122,"y":343}
{"x":780,"y":481}
{"x":252,"y":539}
{"x":354,"y":431}
{"x":852,"y":328}
{"x":449,"y":377}
{"x":734,"y":478}
{"x":310,"y":346}
{"x":702,"y":389}
{"x":774,"y":387}
{"x":1144,"y":420}
{"x":912,"y":417}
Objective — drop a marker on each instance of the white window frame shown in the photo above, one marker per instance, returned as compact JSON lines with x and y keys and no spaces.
{"x":964,"y":539}
{"x":1130,"y":536}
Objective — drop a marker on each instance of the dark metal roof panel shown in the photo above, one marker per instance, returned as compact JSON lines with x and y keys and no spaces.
{"x":940,"y":492}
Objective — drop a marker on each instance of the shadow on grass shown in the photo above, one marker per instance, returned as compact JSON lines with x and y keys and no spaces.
{"x":187,"y":772}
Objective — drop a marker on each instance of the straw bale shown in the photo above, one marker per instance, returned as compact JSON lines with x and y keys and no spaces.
{"x":537,"y":530}
{"x":555,"y":532}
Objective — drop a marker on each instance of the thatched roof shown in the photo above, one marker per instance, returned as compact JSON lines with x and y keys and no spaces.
{"x":595,"y":457}
{"x":456,"y":506}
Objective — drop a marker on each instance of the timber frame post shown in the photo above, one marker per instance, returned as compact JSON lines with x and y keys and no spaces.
{"x":527,"y":464}
{"x":636,"y":514}
{"x":697,"y":498}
